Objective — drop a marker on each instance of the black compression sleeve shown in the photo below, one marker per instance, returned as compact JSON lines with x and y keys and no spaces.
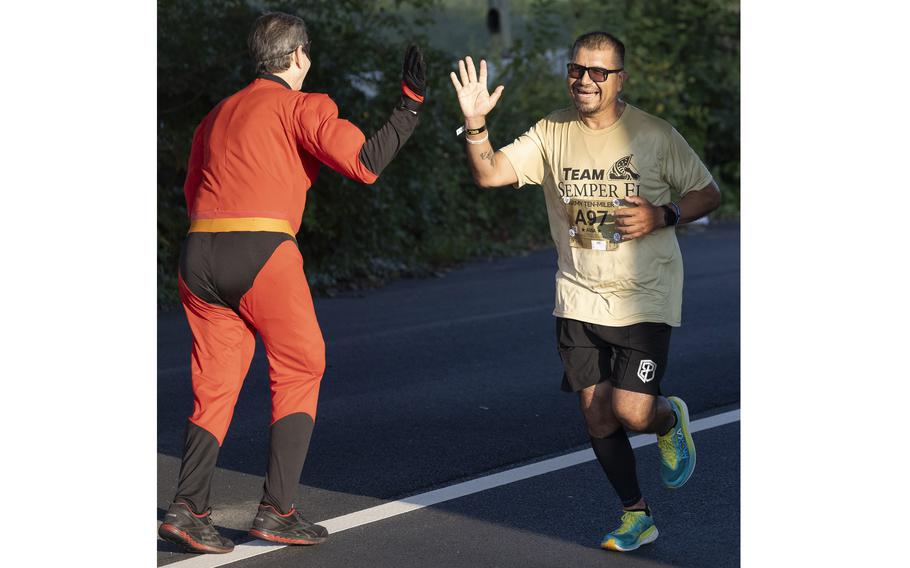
{"x":379,"y":150}
{"x":617,"y":459}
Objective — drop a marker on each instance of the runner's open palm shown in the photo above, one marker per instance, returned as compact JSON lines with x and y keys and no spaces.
{"x":473,"y":96}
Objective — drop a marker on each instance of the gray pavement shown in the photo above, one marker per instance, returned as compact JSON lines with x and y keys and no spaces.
{"x":554,"y":520}
{"x":434,"y":381}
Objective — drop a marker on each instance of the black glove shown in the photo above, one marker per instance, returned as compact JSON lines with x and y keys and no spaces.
{"x":413,"y":77}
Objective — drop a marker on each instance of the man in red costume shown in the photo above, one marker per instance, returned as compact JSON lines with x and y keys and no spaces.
{"x":254,"y":156}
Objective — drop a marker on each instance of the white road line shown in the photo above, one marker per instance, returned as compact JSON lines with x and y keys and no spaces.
{"x":395,"y":508}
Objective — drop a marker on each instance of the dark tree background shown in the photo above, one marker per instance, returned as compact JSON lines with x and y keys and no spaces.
{"x":425,"y":213}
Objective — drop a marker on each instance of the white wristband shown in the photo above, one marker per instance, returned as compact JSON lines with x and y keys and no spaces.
{"x":481,"y":141}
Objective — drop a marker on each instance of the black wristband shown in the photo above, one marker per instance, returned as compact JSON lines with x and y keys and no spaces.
{"x":472,"y":131}
{"x":670,"y":216}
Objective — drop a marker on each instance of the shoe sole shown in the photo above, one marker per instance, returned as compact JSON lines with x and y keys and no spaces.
{"x":181,"y":538}
{"x":678,"y":402}
{"x":285,"y":540}
{"x":648,"y":539}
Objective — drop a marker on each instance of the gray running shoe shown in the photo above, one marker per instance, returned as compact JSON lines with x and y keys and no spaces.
{"x":291,"y":528}
{"x":195,"y":533}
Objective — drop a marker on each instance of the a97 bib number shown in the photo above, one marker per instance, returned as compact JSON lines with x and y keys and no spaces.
{"x":593,"y":225}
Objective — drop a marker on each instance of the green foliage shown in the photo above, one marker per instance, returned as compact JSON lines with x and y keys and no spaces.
{"x":425,"y":212}
{"x":201,"y":60}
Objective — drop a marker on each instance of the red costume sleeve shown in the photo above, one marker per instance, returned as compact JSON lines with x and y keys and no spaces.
{"x":333,"y":141}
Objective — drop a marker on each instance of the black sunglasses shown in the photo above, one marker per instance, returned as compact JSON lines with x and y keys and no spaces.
{"x":597,"y":74}
{"x":306,"y":48}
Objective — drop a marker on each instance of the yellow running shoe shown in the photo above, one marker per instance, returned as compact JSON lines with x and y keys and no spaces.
{"x":677,"y":450}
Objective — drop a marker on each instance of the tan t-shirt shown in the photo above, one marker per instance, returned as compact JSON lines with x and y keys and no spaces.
{"x":585,"y":173}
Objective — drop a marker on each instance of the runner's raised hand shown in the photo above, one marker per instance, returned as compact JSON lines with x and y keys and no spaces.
{"x":473,"y":96}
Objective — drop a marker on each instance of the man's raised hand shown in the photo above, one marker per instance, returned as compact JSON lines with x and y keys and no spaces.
{"x":475,"y":100}
{"x":414,"y":72}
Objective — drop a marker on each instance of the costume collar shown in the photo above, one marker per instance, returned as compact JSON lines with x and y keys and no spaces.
{"x":276,"y":78}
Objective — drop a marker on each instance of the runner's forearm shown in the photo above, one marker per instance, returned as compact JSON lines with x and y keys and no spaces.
{"x":696,"y":204}
{"x":482,"y":158}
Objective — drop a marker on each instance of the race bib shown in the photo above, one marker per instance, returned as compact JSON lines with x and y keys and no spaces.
{"x":592,"y":225}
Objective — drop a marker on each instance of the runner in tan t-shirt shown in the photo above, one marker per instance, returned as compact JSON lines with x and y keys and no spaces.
{"x":607,"y":170}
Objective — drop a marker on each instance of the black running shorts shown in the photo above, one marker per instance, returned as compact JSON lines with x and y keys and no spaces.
{"x":631,"y":357}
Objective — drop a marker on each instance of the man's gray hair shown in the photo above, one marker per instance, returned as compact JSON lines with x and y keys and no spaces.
{"x":273,"y":39}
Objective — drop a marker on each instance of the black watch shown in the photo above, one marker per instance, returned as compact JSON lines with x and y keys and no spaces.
{"x":670,"y":216}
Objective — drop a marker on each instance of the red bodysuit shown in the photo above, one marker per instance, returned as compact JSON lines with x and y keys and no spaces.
{"x":253,"y":158}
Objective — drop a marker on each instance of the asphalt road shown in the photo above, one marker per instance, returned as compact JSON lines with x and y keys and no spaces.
{"x":430,"y":382}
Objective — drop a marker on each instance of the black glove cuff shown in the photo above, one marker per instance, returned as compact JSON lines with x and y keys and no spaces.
{"x":409,"y":104}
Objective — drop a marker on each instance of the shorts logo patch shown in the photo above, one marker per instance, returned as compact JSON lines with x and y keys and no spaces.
{"x":646,"y":370}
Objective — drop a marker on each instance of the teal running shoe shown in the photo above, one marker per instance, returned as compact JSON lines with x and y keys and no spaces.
{"x":677,"y":450}
{"x":637,"y":528}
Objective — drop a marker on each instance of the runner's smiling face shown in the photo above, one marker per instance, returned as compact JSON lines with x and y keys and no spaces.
{"x":592,"y":98}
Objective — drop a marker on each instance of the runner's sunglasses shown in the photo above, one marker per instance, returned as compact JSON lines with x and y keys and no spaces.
{"x":597,"y":74}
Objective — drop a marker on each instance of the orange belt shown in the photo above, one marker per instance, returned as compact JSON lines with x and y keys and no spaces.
{"x":241,"y":224}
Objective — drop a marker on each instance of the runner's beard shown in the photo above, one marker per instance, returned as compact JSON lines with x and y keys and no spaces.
{"x":587,"y":105}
